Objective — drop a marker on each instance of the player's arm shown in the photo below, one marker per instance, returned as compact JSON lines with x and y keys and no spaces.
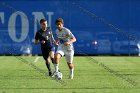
{"x":36,"y":41}
{"x":52,"y":38}
{"x":73,"y":39}
{"x":57,"y":41}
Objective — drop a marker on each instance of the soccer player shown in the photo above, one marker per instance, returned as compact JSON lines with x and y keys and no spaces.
{"x":64,"y":41}
{"x":45,"y":37}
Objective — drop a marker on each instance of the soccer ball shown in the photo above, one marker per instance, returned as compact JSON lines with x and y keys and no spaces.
{"x":57,"y":75}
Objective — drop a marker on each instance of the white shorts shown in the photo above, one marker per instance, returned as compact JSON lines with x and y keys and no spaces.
{"x":68,"y":54}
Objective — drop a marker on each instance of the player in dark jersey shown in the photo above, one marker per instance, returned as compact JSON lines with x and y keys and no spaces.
{"x":45,"y":37}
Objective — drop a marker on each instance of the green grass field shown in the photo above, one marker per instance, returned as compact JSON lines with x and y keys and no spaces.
{"x":92,"y":75}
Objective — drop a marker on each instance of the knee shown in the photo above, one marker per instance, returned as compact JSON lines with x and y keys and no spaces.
{"x":71,"y":66}
{"x":57,"y":56}
{"x":51,"y":55}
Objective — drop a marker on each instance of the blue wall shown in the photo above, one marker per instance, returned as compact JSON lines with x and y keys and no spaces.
{"x":100,"y":26}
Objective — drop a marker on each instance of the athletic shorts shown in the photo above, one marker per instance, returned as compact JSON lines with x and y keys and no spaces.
{"x":46,"y":51}
{"x":68,"y":53}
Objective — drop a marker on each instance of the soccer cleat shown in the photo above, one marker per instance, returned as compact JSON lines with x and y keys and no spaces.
{"x":71,"y":76}
{"x":55,"y":71}
{"x":57,"y":75}
{"x":50,"y":73}
{"x":53,"y":74}
{"x":59,"y":70}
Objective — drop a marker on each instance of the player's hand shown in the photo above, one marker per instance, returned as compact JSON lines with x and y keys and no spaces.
{"x":35,"y":41}
{"x":43,"y":42}
{"x":66,"y":43}
{"x":56,"y":44}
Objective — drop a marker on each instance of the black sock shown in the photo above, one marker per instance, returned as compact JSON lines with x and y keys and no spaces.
{"x":48,"y":66}
{"x":52,"y":60}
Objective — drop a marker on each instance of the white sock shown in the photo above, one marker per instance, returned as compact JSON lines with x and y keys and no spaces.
{"x":56,"y":67}
{"x":71,"y":72}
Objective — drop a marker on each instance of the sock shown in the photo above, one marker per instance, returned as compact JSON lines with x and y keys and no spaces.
{"x":48,"y":66}
{"x":56,"y":67}
{"x":52,"y":60}
{"x":71,"y":72}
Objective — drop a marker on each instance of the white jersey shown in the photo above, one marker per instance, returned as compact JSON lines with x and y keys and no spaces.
{"x":64,"y":35}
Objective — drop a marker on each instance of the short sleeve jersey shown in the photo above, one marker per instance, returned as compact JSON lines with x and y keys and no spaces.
{"x":46,"y":36}
{"x":64,"y":35}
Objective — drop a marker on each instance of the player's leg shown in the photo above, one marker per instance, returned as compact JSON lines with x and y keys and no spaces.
{"x":45,"y":54}
{"x":49,"y":67}
{"x":52,"y":54}
{"x":56,"y":62}
{"x":58,"y":55}
{"x":69,"y":59}
{"x":71,"y":67}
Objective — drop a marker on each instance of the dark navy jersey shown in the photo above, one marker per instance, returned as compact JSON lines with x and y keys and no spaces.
{"x":46,"y":36}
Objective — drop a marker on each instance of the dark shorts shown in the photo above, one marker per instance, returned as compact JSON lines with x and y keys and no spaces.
{"x":46,"y":51}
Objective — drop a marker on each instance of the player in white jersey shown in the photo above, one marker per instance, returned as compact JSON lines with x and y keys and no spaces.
{"x":64,"y":41}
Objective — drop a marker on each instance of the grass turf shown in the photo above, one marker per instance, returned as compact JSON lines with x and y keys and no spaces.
{"x":92,"y":75}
